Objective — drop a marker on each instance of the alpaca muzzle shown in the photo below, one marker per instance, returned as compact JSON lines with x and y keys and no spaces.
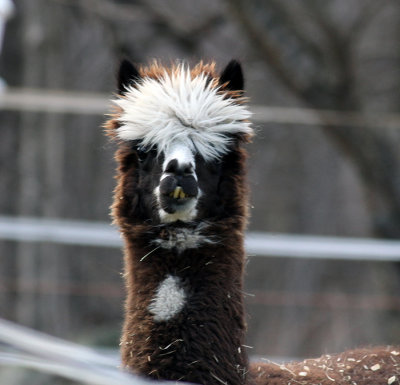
{"x":177,"y":192}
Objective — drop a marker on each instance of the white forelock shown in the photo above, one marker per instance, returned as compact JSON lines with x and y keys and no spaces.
{"x":179,"y":107}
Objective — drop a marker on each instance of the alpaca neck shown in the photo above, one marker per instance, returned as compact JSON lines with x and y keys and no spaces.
{"x":184,"y":311}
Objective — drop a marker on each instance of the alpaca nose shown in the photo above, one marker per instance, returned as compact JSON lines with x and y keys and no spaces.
{"x":179,"y":170}
{"x":179,"y":180}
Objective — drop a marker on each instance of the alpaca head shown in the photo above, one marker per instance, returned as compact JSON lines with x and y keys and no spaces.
{"x":179,"y":130}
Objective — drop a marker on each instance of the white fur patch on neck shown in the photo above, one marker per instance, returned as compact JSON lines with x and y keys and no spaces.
{"x":183,"y":238}
{"x":180,"y":108}
{"x":169,"y":299}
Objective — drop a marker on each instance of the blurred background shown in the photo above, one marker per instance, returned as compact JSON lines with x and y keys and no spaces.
{"x":325,"y":161}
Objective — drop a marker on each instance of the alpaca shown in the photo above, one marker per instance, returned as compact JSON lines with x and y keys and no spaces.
{"x":181,"y":206}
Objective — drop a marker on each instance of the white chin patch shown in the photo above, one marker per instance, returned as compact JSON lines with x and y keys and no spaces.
{"x":186,"y":214}
{"x":169,"y":299}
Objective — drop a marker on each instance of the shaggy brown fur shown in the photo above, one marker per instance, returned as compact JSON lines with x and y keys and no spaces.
{"x":374,"y":366}
{"x":197,"y":346}
{"x":203,"y":343}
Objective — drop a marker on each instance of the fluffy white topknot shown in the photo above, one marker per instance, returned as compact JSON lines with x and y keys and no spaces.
{"x":180,"y":108}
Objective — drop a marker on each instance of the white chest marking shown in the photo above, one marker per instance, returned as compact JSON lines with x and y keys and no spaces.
{"x":169,"y":299}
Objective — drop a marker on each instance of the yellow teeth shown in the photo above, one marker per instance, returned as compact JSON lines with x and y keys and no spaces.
{"x":178,"y":193}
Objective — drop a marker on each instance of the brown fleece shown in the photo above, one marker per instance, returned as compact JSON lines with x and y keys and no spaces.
{"x":203,"y":343}
{"x":372,"y":366}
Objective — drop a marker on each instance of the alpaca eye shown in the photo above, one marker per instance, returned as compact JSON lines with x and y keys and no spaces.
{"x":143,"y":152}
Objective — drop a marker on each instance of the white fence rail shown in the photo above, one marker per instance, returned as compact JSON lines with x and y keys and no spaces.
{"x":21,"y":347}
{"x":87,"y":233}
{"x":73,"y":102}
{"x":42,"y":352}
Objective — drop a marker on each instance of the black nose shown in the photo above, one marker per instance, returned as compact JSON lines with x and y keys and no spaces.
{"x":173,"y":167}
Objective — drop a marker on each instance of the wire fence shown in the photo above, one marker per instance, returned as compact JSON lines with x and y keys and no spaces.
{"x":24,"y":348}
{"x":257,"y":244}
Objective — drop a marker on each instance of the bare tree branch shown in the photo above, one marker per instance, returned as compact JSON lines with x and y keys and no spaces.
{"x":264,"y":46}
{"x":295,"y":26}
{"x":107,"y":9}
{"x":338,"y":39}
{"x":370,"y":152}
{"x":189,"y":39}
{"x":367,"y":15}
{"x":111,"y":12}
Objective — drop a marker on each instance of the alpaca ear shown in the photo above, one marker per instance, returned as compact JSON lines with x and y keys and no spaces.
{"x":232,"y":77}
{"x":128,"y":75}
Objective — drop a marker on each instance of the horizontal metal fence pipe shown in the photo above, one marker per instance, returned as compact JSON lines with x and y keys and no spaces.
{"x":83,"y":233}
{"x":39,"y":351}
{"x":83,"y":374}
{"x":27,"y":340}
{"x":54,"y":101}
{"x":100,"y":234}
{"x":84,"y":103}
{"x":320,"y":247}
{"x":58,"y":359}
